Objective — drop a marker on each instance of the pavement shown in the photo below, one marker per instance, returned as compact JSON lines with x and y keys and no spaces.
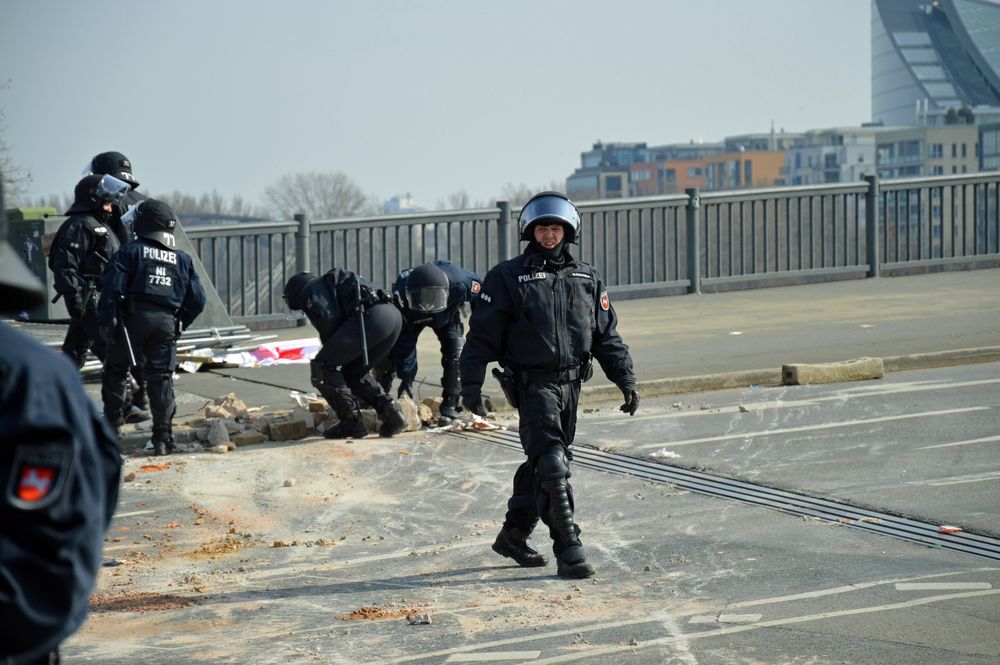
{"x":315,"y":551}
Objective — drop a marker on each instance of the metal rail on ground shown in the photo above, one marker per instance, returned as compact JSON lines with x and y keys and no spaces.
{"x":795,"y":503}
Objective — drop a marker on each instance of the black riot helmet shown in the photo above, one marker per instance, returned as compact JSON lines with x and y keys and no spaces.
{"x":154,"y":220}
{"x":116,"y":164}
{"x":93,"y":191}
{"x":19,"y":288}
{"x":550,"y":208}
{"x":294,"y":289}
{"x":427,"y":289}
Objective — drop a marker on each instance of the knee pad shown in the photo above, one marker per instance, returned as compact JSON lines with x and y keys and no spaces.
{"x":552,"y":465}
{"x":322,"y":376}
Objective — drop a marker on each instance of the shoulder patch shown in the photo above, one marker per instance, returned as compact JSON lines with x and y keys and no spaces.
{"x":38,"y":475}
{"x":585,"y":275}
{"x":476,"y":287}
{"x":605,"y":301}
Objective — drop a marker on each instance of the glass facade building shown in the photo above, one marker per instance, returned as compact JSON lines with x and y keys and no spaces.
{"x":932,"y":55}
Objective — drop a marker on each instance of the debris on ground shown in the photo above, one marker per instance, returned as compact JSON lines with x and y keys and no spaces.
{"x":419,"y":619}
{"x":946,"y":528}
{"x":378,"y":613}
{"x":139,"y":601}
{"x":665,"y":454}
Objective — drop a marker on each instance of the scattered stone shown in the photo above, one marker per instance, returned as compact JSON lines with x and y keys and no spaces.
{"x":370,"y":419}
{"x":201,"y":434}
{"x":218,"y":434}
{"x":664,"y":454}
{"x":248,"y":438}
{"x":434,"y":404}
{"x":263,"y":425}
{"x":744,"y":409}
{"x":317,"y":406}
{"x":290,"y":482}
{"x":418,"y":619}
{"x":129,"y":477}
{"x":288,"y":430}
{"x":232,"y":426}
{"x":411,"y":411}
{"x":220,"y":449}
{"x":676,"y":405}
{"x":305,"y":416}
{"x":226,"y":407}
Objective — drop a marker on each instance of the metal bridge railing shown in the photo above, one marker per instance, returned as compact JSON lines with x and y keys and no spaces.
{"x":663,"y":245}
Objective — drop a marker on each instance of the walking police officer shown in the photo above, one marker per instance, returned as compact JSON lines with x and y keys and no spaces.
{"x":543,"y":316}
{"x":431,"y":296}
{"x":118,"y":165}
{"x":357,"y":324}
{"x":59,"y":479}
{"x":81,"y":249}
{"x":150,"y":292}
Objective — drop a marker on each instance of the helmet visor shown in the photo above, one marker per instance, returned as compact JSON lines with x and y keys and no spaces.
{"x":128,"y":219}
{"x":111,"y":190}
{"x":554,"y":207}
{"x":428,"y":299}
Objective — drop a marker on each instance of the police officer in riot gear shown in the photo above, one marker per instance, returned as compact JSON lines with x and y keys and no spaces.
{"x":118,"y":165}
{"x":339,"y":371}
{"x":59,"y":479}
{"x":150,"y":293}
{"x":431,"y":296}
{"x":82,"y":247}
{"x":543,"y":316}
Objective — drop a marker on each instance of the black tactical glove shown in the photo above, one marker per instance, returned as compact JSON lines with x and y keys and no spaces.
{"x":473,"y":401}
{"x":405,"y":388}
{"x":631,"y":400}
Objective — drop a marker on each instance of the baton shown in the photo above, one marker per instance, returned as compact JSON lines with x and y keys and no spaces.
{"x":361,"y":320}
{"x":128,"y":344}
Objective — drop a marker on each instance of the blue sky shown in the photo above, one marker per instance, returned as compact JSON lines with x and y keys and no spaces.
{"x":426,"y":97}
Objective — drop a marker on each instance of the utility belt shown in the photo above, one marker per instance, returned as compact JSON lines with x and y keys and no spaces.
{"x":511,"y":382}
{"x":134,"y":303}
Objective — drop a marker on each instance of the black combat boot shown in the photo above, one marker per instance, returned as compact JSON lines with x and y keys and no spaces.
{"x":163,"y":443}
{"x":449,"y":410}
{"x":391,"y":416}
{"x":513,"y":543}
{"x":353,"y":428}
{"x":571,"y":557}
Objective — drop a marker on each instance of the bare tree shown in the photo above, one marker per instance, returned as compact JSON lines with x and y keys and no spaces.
{"x":517,"y":195}
{"x":15,"y":178}
{"x":318,"y":195}
{"x":209,"y":204}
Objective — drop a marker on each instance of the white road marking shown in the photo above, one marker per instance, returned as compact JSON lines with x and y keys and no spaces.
{"x":811,"y":428}
{"x":959,"y":480}
{"x":942,"y":586}
{"x":489,"y":657}
{"x":967,"y":442}
{"x":134,"y":513}
{"x":667,"y":641}
{"x":665,"y":617}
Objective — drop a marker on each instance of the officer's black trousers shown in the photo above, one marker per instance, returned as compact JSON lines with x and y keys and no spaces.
{"x":451,"y":337}
{"x":152,"y":332}
{"x":547,"y":419}
{"x":82,"y":335}
{"x":343,"y":348}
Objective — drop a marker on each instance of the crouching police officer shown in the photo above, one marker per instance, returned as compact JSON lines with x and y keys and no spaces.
{"x":543,"y":316}
{"x":82,"y":247}
{"x":431,"y":296}
{"x":150,"y":292}
{"x":341,"y":370}
{"x":59,"y":478}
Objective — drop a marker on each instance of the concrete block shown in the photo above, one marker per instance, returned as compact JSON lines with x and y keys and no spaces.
{"x":248,"y":438}
{"x":288,"y":430}
{"x":218,"y":434}
{"x":411,"y":411}
{"x":434,"y":404}
{"x":859,"y":369}
{"x":317,"y":406}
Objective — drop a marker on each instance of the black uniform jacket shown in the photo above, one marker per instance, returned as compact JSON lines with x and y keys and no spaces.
{"x":148,"y":271}
{"x":83,"y":246}
{"x":59,"y":476}
{"x":529,"y":318}
{"x":333,"y":298}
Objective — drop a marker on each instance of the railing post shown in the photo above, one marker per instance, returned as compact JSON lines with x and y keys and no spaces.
{"x":693,"y":244}
{"x":503,"y":232}
{"x":871,"y":225}
{"x":302,"y":243}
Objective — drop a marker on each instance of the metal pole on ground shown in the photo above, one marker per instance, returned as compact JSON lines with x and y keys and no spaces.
{"x":871,"y":225}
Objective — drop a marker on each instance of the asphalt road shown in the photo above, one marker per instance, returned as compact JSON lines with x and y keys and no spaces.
{"x":315,"y":551}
